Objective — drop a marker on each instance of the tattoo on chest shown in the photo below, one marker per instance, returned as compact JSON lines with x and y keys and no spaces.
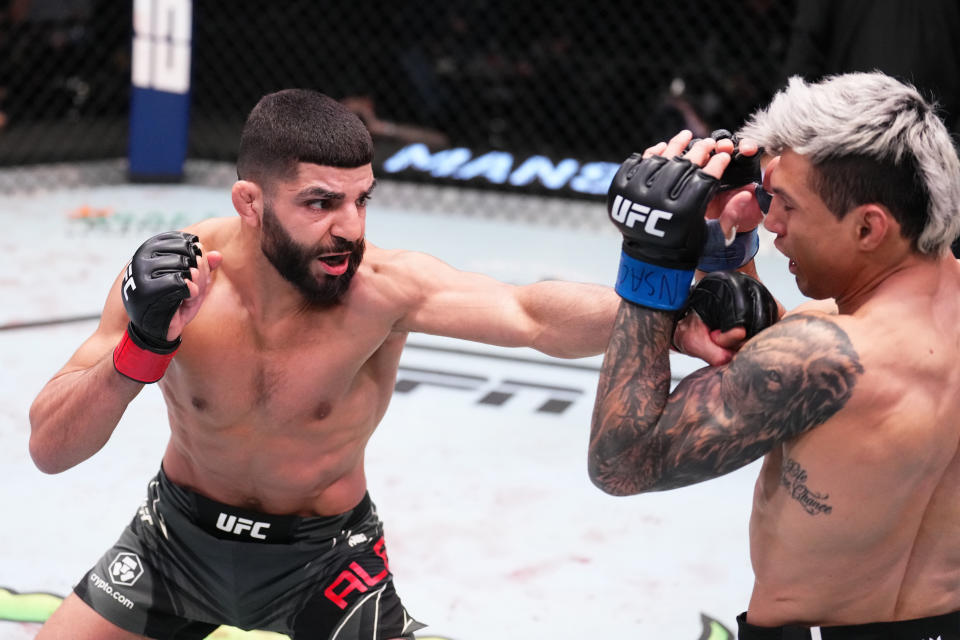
{"x":793,"y":477}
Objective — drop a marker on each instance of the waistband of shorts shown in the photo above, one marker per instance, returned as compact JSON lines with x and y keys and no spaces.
{"x":946,"y":626}
{"x":230,"y":522}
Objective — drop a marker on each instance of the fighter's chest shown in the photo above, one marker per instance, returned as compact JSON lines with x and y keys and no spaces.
{"x":296,"y":372}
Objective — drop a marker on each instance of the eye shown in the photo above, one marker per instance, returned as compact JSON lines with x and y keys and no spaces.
{"x":785,"y":205}
{"x":772,"y":380}
{"x":363,"y":200}
{"x":777,"y":204}
{"x":320,"y":203}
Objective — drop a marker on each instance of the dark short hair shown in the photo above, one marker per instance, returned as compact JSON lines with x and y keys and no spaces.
{"x":847,"y":182}
{"x":300,"y":125}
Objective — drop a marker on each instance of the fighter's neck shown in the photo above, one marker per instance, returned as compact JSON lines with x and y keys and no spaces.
{"x":263,"y":292}
{"x":903,"y":278}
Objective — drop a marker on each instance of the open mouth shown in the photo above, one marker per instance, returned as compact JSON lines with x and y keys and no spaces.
{"x":335,"y":260}
{"x":334,"y":264}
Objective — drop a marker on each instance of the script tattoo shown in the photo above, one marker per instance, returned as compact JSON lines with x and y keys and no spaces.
{"x":788,"y":379}
{"x":794,"y":478}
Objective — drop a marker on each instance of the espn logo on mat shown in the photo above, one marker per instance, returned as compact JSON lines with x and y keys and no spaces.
{"x":628,"y":213}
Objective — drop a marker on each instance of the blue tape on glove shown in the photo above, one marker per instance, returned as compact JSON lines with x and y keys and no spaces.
{"x":720,"y":256}
{"x":651,"y":285}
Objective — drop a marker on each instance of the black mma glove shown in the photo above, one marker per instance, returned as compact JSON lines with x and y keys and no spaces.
{"x":658,"y":205}
{"x":152,"y":289}
{"x":720,"y":253}
{"x":728,"y":299}
{"x":742,"y":169}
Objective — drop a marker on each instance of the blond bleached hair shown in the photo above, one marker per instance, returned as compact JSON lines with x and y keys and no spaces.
{"x":870,"y":138}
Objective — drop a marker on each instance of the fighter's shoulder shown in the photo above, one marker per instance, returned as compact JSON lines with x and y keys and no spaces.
{"x":804,"y":345}
{"x":400,"y":279}
{"x":825,"y":307}
{"x":214,"y":233}
{"x":807,"y":319}
{"x":819,"y":322}
{"x":399,"y":263}
{"x":794,"y":375}
{"x":388,"y":274}
{"x":861,"y":334}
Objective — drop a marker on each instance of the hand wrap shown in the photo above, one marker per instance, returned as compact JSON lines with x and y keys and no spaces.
{"x":721,"y":254}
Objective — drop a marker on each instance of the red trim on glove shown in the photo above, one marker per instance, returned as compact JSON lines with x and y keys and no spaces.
{"x":138,"y":364}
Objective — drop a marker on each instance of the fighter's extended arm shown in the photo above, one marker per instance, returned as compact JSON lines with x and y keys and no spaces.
{"x":562,"y":319}
{"x":76,"y":412}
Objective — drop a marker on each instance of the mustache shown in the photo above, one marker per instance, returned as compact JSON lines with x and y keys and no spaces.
{"x":340,"y":245}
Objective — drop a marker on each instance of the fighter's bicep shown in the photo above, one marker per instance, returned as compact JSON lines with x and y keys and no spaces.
{"x":791,"y":378}
{"x":473,"y":306}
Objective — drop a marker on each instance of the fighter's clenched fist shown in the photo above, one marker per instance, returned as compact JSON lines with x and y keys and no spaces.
{"x":658,"y":205}
{"x":161,"y":291}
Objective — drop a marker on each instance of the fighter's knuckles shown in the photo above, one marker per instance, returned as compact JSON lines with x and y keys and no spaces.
{"x":656,"y":149}
{"x":717,"y":163}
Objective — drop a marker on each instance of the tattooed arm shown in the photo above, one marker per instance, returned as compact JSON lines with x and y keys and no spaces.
{"x":789,"y":378}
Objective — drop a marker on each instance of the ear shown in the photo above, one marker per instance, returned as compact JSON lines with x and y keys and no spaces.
{"x":248,"y":201}
{"x":873,"y":225}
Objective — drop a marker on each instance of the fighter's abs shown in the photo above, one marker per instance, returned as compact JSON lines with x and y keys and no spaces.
{"x":296,"y":421}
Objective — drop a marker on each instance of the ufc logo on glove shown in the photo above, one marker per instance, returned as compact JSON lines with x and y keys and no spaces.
{"x":628,"y":213}
{"x":658,"y":205}
{"x":128,"y":283}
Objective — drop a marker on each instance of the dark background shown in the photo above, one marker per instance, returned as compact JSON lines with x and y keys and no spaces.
{"x":594,"y":79}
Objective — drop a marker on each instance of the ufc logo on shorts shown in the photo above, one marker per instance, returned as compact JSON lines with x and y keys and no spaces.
{"x":233,"y":524}
{"x":128,"y":283}
{"x":629,"y":213}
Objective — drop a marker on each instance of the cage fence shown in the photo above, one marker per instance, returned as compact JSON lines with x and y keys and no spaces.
{"x":593,"y":81}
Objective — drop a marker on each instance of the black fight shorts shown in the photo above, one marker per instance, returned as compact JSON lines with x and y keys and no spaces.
{"x":945,"y":627}
{"x":186,"y":565}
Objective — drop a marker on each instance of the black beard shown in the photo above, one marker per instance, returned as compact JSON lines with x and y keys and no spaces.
{"x":293,"y":262}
